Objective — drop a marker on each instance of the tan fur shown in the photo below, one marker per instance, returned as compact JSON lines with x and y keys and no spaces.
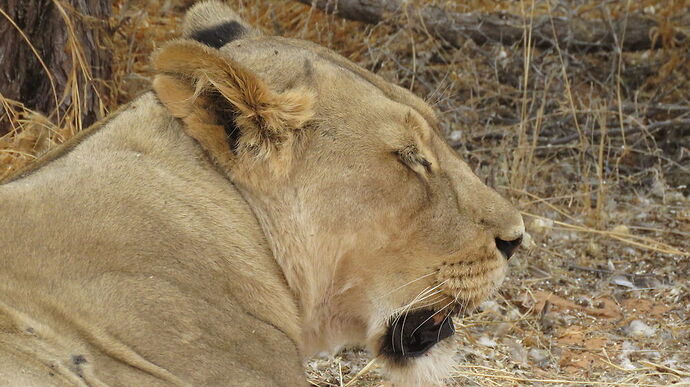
{"x":155,"y":253}
{"x":265,"y":118}
{"x":208,"y":13}
{"x":59,"y":151}
{"x":200,"y":122}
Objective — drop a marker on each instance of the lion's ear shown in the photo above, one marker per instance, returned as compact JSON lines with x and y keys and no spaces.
{"x":230,"y":111}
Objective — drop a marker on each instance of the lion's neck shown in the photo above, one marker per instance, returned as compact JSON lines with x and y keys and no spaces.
{"x":311,"y":263}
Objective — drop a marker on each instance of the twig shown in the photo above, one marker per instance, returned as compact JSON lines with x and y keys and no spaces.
{"x":551,"y":381}
{"x":642,"y":242}
{"x":361,"y":372}
{"x":668,"y":124}
{"x":664,"y":368}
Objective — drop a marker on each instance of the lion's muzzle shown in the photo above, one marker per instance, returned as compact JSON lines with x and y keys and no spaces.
{"x":413,"y":334}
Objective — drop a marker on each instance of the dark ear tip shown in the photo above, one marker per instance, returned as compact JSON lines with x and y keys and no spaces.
{"x":219,"y":35}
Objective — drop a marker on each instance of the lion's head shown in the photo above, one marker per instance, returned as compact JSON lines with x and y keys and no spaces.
{"x":382,"y":231}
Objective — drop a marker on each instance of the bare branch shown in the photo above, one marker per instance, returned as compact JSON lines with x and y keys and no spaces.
{"x":455,"y":27}
{"x":665,"y":125}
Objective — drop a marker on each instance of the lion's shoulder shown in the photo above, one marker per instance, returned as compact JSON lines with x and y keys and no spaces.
{"x":145,"y":110}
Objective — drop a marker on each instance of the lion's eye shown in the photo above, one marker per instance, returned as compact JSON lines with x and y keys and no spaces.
{"x":413,"y":158}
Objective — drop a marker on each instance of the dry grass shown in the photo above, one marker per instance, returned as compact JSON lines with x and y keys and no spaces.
{"x":593,"y":147}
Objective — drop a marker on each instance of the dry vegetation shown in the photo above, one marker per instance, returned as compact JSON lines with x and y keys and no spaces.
{"x":592,"y":146}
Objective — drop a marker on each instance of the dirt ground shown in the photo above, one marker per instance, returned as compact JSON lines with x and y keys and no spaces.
{"x":603,"y":295}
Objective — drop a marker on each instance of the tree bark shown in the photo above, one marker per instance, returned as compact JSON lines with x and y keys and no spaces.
{"x":633,"y":32}
{"x":22,"y":76}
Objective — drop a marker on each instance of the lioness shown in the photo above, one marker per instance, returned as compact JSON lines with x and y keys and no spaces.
{"x":267,"y":200}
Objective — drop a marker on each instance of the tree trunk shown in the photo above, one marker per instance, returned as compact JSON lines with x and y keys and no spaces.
{"x":62,"y":46}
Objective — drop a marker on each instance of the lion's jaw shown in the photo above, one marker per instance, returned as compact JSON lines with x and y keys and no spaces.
{"x":344,"y":301}
{"x":448,"y":293}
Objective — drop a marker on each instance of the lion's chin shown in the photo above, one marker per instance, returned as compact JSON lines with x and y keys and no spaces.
{"x":433,"y":367}
{"x":417,"y":348}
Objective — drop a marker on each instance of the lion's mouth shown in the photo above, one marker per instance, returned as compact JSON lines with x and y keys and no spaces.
{"x":413,"y":334}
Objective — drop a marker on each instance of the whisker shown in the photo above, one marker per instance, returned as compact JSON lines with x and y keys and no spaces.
{"x":438,"y":335}
{"x":431,"y":302}
{"x":411,"y":282}
{"x":403,"y":311}
{"x":402,"y":328}
{"x":424,"y":294}
{"x":414,"y":303}
{"x":430,"y":317}
{"x":413,"y":306}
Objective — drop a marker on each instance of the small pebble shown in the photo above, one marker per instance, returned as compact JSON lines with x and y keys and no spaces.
{"x":621,"y":229}
{"x":541,"y":225}
{"x":490,"y":306}
{"x":455,"y":136}
{"x":517,"y":351}
{"x":622,"y":281}
{"x":487,"y":342}
{"x":538,"y":355}
{"x":637,"y":328}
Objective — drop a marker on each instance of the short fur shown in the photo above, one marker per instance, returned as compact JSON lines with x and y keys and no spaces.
{"x":268,"y":201}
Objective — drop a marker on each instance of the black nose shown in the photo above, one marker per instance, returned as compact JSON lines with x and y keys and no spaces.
{"x":507,"y":248}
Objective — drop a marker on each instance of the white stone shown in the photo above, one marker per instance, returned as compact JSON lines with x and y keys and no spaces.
{"x":638,"y":328}
{"x":487,"y":342}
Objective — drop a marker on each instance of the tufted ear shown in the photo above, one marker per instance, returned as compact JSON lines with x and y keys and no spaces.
{"x":232,"y":113}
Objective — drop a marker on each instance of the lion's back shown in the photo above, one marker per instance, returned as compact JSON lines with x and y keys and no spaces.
{"x":124,"y":258}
